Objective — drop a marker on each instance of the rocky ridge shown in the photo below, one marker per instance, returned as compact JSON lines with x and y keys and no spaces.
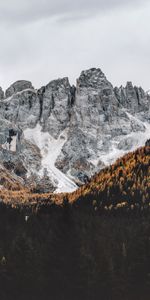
{"x":68,"y":133}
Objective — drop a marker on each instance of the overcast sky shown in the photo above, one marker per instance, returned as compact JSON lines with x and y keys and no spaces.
{"x":41,"y":40}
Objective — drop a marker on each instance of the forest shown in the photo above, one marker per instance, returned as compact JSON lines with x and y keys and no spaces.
{"x":92,"y":244}
{"x":70,"y":253}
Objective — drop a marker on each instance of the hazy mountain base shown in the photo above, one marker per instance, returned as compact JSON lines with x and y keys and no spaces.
{"x":70,"y":254}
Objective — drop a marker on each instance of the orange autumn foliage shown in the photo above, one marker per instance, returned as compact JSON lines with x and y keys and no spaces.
{"x":125,"y":182}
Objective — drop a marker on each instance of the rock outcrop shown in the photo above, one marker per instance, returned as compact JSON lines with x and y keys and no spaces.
{"x":147,"y":144}
{"x":132,"y":98}
{"x":22,"y":108}
{"x":55,"y":104}
{"x":18,"y":155}
{"x":71,"y":131}
{"x":1,"y":94}
{"x":18,"y":86}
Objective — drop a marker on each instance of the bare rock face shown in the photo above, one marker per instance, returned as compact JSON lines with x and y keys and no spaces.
{"x":21,"y":105}
{"x":1,"y":94}
{"x":55,"y":99}
{"x":147,"y":143}
{"x":50,"y":106}
{"x":67,"y":133}
{"x":41,"y":185}
{"x":17,"y":154}
{"x":22,"y":108}
{"x":132,"y":98}
{"x":18,"y":86}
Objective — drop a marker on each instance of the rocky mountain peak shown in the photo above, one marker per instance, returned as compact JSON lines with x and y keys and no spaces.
{"x":131,"y":91}
{"x":72,"y":132}
{"x":18,"y":86}
{"x":92,"y":78}
{"x":132,"y":97}
{"x":129,"y":85}
{"x":58,"y":83}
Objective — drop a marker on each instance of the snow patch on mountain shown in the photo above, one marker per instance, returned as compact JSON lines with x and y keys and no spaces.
{"x":50,"y":150}
{"x":134,"y":140}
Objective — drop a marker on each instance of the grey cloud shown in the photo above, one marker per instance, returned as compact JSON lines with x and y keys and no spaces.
{"x":18,"y":11}
{"x":112,"y":35}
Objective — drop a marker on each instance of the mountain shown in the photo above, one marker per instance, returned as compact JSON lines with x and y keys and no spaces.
{"x":58,"y":136}
{"x":126,"y":183}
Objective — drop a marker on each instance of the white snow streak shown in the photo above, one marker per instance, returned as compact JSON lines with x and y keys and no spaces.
{"x":139,"y":139}
{"x":50,"y":150}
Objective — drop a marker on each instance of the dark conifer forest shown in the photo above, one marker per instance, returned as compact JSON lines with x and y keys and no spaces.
{"x":75,"y":254}
{"x":92,"y":244}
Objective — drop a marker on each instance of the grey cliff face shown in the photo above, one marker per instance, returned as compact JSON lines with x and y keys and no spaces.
{"x":133,"y":98}
{"x":22,"y":109}
{"x":91,"y":125}
{"x":15,"y":150}
{"x":18,"y":86}
{"x":55,"y":101}
{"x":1,"y":94}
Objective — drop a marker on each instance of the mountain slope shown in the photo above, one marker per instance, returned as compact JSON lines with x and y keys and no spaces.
{"x":9,"y":181}
{"x":124,"y":183}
